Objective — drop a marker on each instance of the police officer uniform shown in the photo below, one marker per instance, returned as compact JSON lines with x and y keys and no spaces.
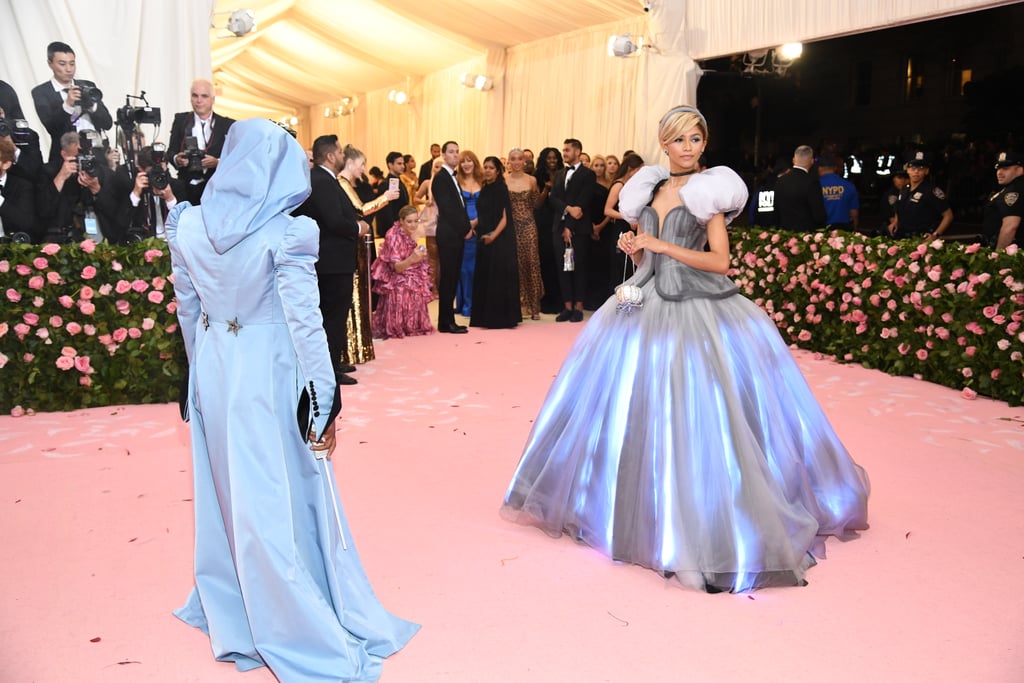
{"x":887,"y":205}
{"x":1007,"y":201}
{"x":919,"y":210}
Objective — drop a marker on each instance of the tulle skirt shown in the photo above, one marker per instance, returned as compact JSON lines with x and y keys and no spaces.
{"x":682,"y":437}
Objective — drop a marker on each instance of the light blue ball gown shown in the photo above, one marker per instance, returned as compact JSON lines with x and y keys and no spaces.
{"x":682,"y":436}
{"x":274,"y":583}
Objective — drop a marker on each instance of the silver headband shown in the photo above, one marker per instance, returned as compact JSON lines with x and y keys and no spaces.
{"x":680,"y":109}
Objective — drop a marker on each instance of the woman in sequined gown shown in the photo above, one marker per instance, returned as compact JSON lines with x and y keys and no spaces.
{"x":522,"y":191}
{"x":681,"y":435}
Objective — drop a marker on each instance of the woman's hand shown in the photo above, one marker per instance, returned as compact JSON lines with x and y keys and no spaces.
{"x":645,"y":241}
{"x":327,"y":442}
{"x":625,"y":243}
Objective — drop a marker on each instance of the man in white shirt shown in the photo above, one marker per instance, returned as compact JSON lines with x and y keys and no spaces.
{"x":197,"y":138}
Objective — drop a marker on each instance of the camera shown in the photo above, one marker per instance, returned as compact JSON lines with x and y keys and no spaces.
{"x":159,"y":178}
{"x":16,"y":238}
{"x":130,"y":116}
{"x":194,"y":154}
{"x":136,"y":234}
{"x":647,"y":5}
{"x":86,"y":155}
{"x":90,"y":95}
{"x":16,"y":129}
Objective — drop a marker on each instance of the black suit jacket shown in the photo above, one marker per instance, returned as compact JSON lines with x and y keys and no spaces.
{"x":799,"y":204}
{"x":425,"y":170}
{"x":388,"y":214}
{"x":50,"y":108}
{"x":29,"y":165}
{"x":9,"y":102}
{"x":19,"y":209}
{"x":139,"y":216}
{"x":452,"y":219}
{"x":181,"y":128}
{"x":336,"y":215}
{"x":59,"y":211}
{"x":579,"y":192}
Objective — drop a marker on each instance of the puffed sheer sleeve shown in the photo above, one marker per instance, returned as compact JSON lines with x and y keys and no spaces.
{"x":294,"y":270}
{"x":637,"y":192}
{"x":716,"y":190}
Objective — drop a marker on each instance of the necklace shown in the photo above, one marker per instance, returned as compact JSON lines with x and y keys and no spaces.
{"x":682,"y":173}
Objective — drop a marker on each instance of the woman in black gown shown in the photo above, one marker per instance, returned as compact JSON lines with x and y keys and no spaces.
{"x":496,"y":279}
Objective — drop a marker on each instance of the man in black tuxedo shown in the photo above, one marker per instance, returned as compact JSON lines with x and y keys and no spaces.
{"x":388,"y":214}
{"x":66,"y":104}
{"x":340,"y":231}
{"x":154,"y":195}
{"x":208,"y":130}
{"x":452,"y":228}
{"x":799,"y":204}
{"x":17,"y":199}
{"x":572,"y":193}
{"x":428,"y":165}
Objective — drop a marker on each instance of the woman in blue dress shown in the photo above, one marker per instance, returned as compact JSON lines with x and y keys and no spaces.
{"x":471,"y":178}
{"x":278,"y":581}
{"x":680,"y":434}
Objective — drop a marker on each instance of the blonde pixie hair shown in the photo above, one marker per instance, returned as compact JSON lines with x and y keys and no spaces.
{"x":678,"y":120}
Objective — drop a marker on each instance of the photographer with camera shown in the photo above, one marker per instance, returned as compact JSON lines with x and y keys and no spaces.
{"x":28,"y":159}
{"x":9,"y":101}
{"x":79,"y":197}
{"x":154,"y":195}
{"x":17,"y":203}
{"x":197,"y":137}
{"x":64,"y":103}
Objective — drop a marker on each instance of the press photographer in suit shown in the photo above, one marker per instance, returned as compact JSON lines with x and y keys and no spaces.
{"x":572,"y":193}
{"x":17,"y":202}
{"x":67,"y":104}
{"x":28,"y":159}
{"x":197,"y":138}
{"x":154,"y":195}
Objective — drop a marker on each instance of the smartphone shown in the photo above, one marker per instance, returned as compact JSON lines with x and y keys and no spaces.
{"x":393,"y":184}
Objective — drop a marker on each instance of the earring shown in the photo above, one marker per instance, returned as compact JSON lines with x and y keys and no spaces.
{"x":666,"y":152}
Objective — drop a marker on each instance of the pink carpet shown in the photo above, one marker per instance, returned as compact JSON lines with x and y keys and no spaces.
{"x":96,"y":535}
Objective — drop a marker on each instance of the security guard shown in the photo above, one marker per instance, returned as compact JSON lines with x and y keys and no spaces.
{"x":922,"y":210}
{"x":1005,"y":207}
{"x":887,"y":205}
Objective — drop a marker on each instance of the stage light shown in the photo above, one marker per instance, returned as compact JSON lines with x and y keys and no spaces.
{"x":623,"y":45}
{"x":791,"y":51}
{"x":398,"y":96}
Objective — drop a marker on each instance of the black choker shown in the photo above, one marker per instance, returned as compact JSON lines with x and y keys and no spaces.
{"x":682,"y":173}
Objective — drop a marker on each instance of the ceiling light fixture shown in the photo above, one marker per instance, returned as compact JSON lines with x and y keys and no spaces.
{"x":346,"y":106}
{"x":773,"y":61}
{"x":241,"y":22}
{"x":477,"y":82}
{"x":624,"y":45}
{"x":398,"y":96}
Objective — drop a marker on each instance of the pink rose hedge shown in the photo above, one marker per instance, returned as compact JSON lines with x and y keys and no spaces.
{"x":85,"y":325}
{"x":948,"y":313}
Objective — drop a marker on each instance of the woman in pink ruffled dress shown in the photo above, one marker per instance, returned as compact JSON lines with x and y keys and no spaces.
{"x":401,"y":280}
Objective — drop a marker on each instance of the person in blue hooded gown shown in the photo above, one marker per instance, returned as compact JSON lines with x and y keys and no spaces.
{"x":679,"y":433}
{"x":278,"y":581}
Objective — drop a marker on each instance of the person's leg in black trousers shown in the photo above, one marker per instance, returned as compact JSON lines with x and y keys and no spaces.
{"x":335,"y":302}
{"x":572,"y":283}
{"x":449,"y":248}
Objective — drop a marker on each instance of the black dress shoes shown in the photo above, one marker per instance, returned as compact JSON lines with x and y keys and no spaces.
{"x":577,"y":316}
{"x":565,"y":315}
{"x":345,"y":380}
{"x":345,"y":369}
{"x":453,"y":329}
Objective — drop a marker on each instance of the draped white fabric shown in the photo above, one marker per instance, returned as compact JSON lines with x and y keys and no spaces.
{"x":125,"y":46}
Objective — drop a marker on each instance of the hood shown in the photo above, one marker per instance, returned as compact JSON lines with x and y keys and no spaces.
{"x":263,"y":172}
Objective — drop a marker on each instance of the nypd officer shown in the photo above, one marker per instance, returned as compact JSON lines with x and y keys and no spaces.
{"x":922,"y":210}
{"x":1004,"y":208}
{"x":887,"y":205}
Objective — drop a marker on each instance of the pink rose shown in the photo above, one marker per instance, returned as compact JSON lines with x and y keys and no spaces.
{"x":968,"y":393}
{"x":155,"y":297}
{"x":171,"y":329}
{"x":947,"y":318}
{"x":974,"y":328}
{"x":942,"y":333}
{"x":36,"y":282}
{"x":967,"y":372}
{"x":30,"y":318}
{"x":88,"y":246}
{"x":65,"y":363}
{"x":87,"y":292}
{"x":159,"y":282}
{"x":53,"y":278}
{"x":73,"y":328}
{"x":122,"y":286}
{"x":120,"y":334}
{"x":804,"y":335}
{"x":122,"y":306}
{"x":148,"y":323}
{"x":970,"y":351}
{"x":140,"y":286}
{"x":56,"y":321}
{"x":3,"y":360}
{"x":13,"y":295}
{"x":66,"y":301}
{"x":43,"y":333}
{"x":152,"y":254}
{"x":903,"y":348}
{"x":68,"y":351}
{"x":116,"y":266}
{"x":134,"y":332}
{"x":85,"y":381}
{"x":105,"y":339}
{"x":40,"y":263}
{"x":1012,"y":249}
{"x":172,"y":307}
{"x":83,"y":364}
{"x":50,"y":249}
{"x":105,"y":289}
{"x":86,"y":307}
{"x":995,"y":373}
{"x":922,"y":354}
{"x":28,"y":357}
{"x":21,"y":329}
{"x":89,"y":329}
{"x":88,"y":273}
{"x":3,"y":328}
{"x":1016,"y":356}
{"x":990,"y":311}
{"x":972,"y":248}
{"x":22,"y":269}
{"x":5,"y":266}
{"x":17,"y":411}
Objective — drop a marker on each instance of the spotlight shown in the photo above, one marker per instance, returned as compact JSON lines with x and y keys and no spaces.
{"x":623,"y":45}
{"x":791,"y":51}
{"x":398,"y":96}
{"x":468,"y":80}
{"x":242,"y":21}
{"x":483,"y":83}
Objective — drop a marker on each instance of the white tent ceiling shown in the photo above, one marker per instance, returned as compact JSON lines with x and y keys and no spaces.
{"x":307,"y":52}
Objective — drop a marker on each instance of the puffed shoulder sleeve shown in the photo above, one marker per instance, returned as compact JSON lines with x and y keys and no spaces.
{"x":716,"y":190}
{"x":637,"y":192}
{"x":295,"y":273}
